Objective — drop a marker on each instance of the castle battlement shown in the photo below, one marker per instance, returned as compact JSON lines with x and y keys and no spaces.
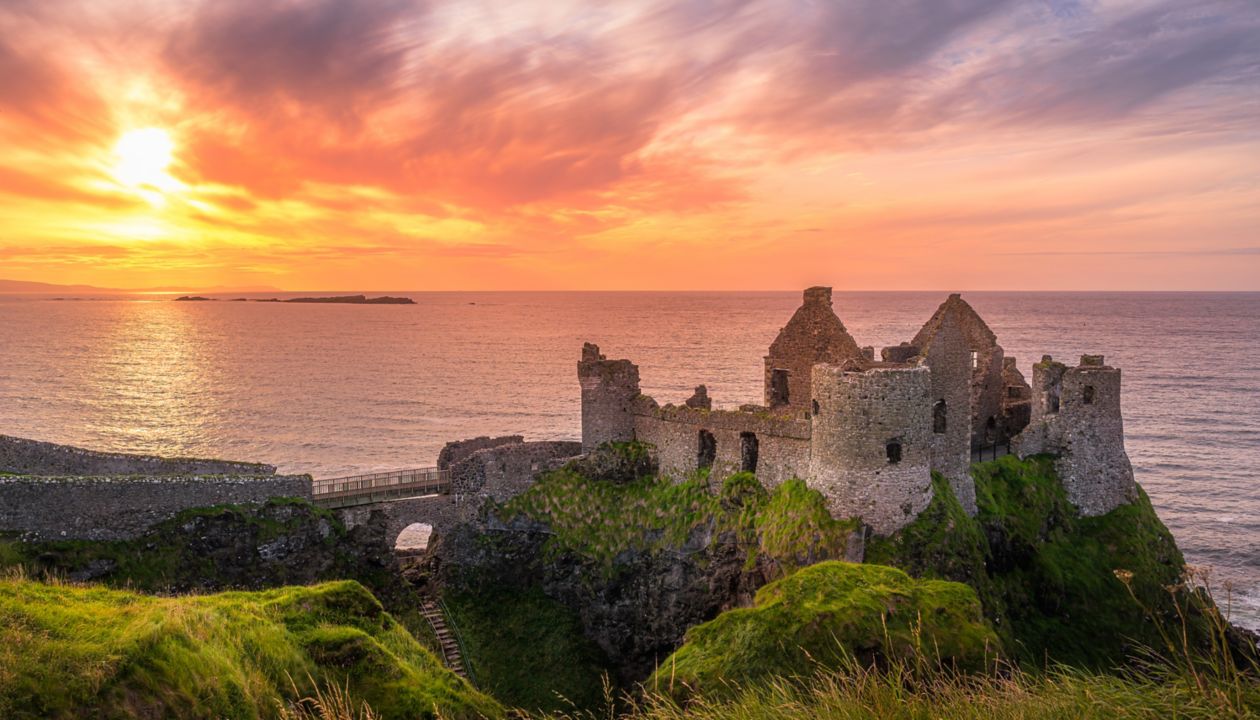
{"x":868,"y":433}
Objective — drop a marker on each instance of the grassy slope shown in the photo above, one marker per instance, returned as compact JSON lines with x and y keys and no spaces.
{"x":829,"y":614}
{"x":1046,"y":575}
{"x":67,"y":648}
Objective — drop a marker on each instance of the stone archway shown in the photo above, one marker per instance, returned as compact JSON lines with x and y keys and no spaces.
{"x":413,"y":540}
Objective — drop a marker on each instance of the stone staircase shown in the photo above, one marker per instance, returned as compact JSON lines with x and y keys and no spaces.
{"x":451,"y":654}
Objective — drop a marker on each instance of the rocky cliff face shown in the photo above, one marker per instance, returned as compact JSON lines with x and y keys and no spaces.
{"x":638,"y":612}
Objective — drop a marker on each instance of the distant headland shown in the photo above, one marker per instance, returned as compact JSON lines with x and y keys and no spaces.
{"x":337,"y":300}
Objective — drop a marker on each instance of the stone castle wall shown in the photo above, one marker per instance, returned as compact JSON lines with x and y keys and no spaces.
{"x":20,"y":456}
{"x":860,"y":414}
{"x":504,"y":471}
{"x":782,"y":440}
{"x":455,"y":452}
{"x":1076,"y":415}
{"x":124,"y":506}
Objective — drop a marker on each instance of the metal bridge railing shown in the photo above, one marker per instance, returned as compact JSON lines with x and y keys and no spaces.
{"x":418,"y":480}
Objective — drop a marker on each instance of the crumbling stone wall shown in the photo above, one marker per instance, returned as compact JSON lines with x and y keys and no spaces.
{"x":20,"y":456}
{"x":813,"y":335}
{"x":122,"y":507}
{"x":1076,"y":415}
{"x":872,"y":443}
{"x":504,"y":471}
{"x":609,"y":389}
{"x":781,"y":439}
{"x":454,"y":452}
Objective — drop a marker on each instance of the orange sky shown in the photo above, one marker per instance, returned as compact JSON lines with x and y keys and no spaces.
{"x":693,"y":144}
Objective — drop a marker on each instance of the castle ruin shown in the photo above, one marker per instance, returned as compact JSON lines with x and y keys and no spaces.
{"x":868,"y":433}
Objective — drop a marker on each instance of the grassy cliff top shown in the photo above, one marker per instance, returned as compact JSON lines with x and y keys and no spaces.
{"x":600,"y":520}
{"x":67,"y":648}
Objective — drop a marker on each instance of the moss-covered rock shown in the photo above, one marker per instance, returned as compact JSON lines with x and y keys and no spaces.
{"x":826,"y":615}
{"x":86,"y":651}
{"x":1047,"y":576}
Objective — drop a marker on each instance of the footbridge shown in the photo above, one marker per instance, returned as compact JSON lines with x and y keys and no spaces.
{"x":345,"y":492}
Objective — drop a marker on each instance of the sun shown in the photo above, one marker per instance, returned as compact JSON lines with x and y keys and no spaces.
{"x":141,"y":159}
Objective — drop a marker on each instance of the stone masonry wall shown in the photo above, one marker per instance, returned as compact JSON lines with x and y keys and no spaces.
{"x":859,"y":415}
{"x":123,"y":507}
{"x":31,"y":457}
{"x":1086,"y":431}
{"x":505,"y":471}
{"x":782,"y":441}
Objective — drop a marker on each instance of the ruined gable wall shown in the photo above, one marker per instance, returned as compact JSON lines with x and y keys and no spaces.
{"x":1088,"y":437}
{"x":32,"y":457}
{"x":858,"y":414}
{"x":609,"y":390}
{"x":122,"y":507}
{"x":782,"y":440}
{"x":814,"y":334}
{"x":949,"y":359}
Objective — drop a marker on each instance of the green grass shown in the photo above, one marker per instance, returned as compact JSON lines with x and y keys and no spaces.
{"x":598,"y":521}
{"x":825,"y":616}
{"x":902,"y":693}
{"x":70,"y":651}
{"x":528,"y":650}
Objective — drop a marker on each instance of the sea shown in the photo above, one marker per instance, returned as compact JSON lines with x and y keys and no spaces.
{"x":335,"y":390}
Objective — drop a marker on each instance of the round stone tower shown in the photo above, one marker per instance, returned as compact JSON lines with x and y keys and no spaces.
{"x":871,"y":448}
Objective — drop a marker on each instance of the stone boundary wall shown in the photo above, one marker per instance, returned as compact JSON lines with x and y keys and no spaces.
{"x":505,"y":471}
{"x":124,"y":507}
{"x":20,"y":456}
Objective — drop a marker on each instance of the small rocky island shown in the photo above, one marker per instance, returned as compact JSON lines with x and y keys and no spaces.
{"x":334,"y":300}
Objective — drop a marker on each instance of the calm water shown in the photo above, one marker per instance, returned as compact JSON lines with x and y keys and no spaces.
{"x":335,"y":390}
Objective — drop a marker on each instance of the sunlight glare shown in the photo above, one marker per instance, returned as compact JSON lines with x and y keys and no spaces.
{"x":142,"y":157}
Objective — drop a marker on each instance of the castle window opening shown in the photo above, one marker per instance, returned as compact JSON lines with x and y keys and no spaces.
{"x":748,"y":450}
{"x":1088,"y":395}
{"x":990,"y":429}
{"x":778,"y":387}
{"x":707,"y":451}
{"x":938,"y":417}
{"x":975,"y":359}
{"x":1052,"y":401}
{"x":893,"y":450}
{"x":815,"y":407}
{"x":1012,"y":392}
